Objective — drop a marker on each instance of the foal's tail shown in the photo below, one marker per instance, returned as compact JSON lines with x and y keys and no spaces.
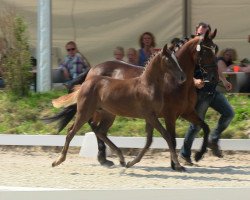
{"x":67,"y":100}
{"x":64,"y":117}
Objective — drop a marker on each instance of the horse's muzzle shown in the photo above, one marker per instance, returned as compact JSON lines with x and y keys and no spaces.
{"x":182,"y":78}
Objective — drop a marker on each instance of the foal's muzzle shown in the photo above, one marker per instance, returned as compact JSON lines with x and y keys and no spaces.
{"x":182,"y":78}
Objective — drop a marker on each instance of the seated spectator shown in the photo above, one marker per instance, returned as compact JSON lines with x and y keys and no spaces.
{"x":245,"y":65}
{"x":74,"y":63}
{"x":226,"y":59}
{"x":132,"y":56}
{"x":147,"y":44}
{"x":3,"y":50}
{"x":1,"y":79}
{"x":119,"y":53}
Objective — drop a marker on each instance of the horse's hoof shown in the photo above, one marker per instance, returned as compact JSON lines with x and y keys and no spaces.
{"x":128,"y":165}
{"x":198,"y":156}
{"x":107,"y":163}
{"x":55,"y":163}
{"x":180,"y":169}
{"x":122,"y":163}
{"x":172,"y":165}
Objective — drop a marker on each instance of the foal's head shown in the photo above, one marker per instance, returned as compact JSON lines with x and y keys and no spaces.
{"x":170,"y":64}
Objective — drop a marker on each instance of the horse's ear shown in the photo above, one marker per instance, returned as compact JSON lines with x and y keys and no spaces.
{"x":213,"y":34}
{"x":206,"y":34}
{"x":165,"y":50}
{"x":171,"y":48}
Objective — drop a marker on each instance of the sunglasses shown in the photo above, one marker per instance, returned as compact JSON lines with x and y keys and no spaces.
{"x":72,"y":49}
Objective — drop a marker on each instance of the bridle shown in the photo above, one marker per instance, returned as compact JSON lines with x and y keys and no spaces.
{"x":200,"y":49}
{"x":203,"y":67}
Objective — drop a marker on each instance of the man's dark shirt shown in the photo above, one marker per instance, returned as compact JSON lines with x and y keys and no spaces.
{"x":211,"y":75}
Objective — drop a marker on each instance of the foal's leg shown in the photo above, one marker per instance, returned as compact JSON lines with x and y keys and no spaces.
{"x":149,"y":131}
{"x":153,"y":120}
{"x":98,"y":116}
{"x":85,"y":110}
{"x":101,"y":132}
{"x":195,"y":119}
{"x":170,"y":125}
{"x":80,"y":120}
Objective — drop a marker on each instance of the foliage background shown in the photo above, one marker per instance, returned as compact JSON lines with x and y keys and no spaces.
{"x":15,"y":54}
{"x":22,"y":116}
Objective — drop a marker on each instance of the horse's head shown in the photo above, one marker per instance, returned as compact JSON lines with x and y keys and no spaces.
{"x":171,"y":65}
{"x":205,"y":56}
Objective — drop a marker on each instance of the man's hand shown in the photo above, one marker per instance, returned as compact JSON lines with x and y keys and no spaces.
{"x":198,"y":83}
{"x":228,"y":86}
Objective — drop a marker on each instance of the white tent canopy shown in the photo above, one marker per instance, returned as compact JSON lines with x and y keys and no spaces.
{"x":99,"y":26}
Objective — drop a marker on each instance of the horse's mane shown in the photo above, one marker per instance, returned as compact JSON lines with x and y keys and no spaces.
{"x":152,"y":57}
{"x":176,"y":48}
{"x":180,"y":43}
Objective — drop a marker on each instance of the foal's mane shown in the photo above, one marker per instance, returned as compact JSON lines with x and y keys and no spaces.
{"x":176,"y":48}
{"x":181,"y":42}
{"x":151,"y":58}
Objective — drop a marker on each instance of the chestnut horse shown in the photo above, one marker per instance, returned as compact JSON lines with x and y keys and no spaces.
{"x":128,"y":97}
{"x":179,"y":100}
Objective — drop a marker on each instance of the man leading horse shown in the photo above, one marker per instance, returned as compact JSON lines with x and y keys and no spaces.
{"x":205,"y":81}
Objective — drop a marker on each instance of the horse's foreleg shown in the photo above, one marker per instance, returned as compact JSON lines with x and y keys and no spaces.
{"x":149,"y":131}
{"x":194,"y":118}
{"x":170,"y":125}
{"x":153,"y":120}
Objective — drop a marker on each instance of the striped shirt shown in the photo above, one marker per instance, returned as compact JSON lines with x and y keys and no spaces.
{"x":75,"y":65}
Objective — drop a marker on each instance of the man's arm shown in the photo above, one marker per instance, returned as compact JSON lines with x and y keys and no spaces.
{"x":228,"y":86}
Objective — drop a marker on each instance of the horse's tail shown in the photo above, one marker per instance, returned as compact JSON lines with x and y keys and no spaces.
{"x":64,"y":117}
{"x":66,"y":100}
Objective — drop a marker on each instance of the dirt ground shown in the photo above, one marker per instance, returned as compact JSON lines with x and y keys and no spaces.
{"x":31,"y":167}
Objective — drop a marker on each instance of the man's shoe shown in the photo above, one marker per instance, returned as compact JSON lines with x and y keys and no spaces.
{"x":185,"y":160}
{"x":215,"y":149}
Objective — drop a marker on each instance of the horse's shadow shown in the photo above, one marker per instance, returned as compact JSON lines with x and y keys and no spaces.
{"x":204,"y":171}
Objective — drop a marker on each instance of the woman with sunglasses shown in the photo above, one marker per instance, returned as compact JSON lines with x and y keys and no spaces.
{"x":74,"y":63}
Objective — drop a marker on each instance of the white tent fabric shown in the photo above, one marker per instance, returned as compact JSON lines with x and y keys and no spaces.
{"x":98,"y":26}
{"x":230,"y":17}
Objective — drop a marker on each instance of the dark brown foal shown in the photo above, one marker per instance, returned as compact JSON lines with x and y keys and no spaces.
{"x":127,"y":98}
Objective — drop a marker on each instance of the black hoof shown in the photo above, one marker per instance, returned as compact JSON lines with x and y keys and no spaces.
{"x":198,"y":156}
{"x":177,"y":168}
{"x":107,"y":163}
{"x":180,"y":169}
{"x":123,"y":163}
{"x":128,"y":165}
{"x":172,"y":165}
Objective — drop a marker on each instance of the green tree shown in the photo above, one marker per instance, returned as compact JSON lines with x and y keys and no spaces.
{"x":16,"y":60}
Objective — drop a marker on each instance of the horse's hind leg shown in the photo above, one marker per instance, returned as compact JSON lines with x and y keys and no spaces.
{"x":81,"y":118}
{"x":101,"y":145}
{"x":101,"y":133}
{"x":194,"y":118}
{"x":149,"y":131}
